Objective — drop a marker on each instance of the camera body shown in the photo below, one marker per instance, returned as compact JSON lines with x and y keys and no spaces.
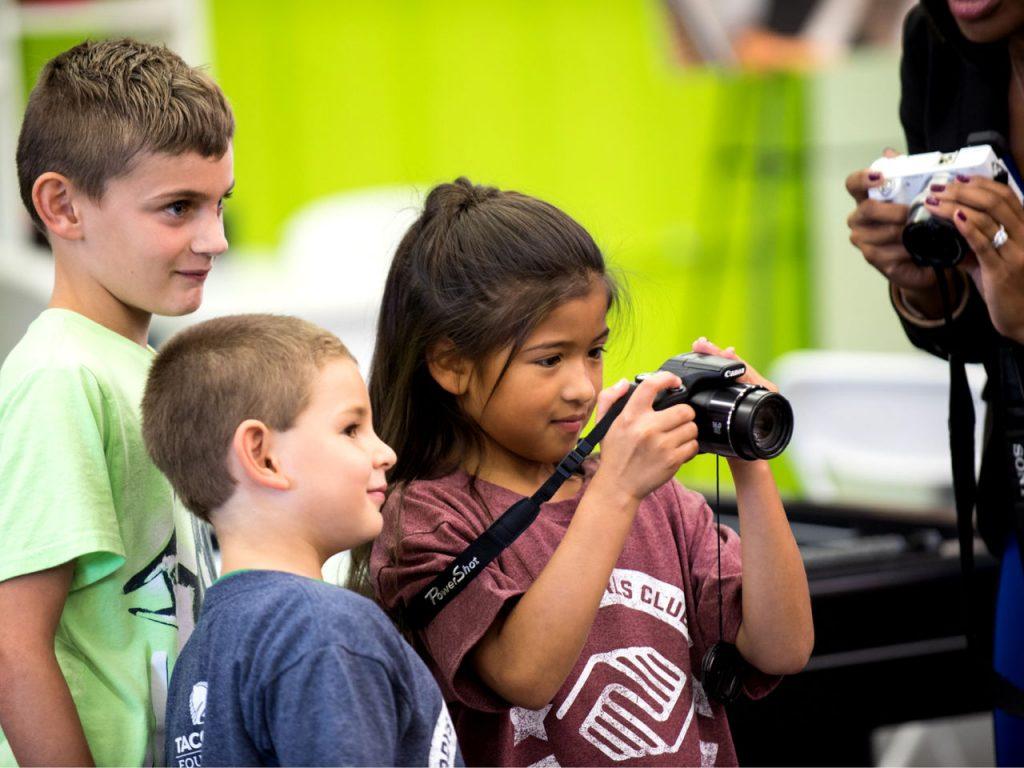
{"x":933,"y":241}
{"x":733,"y":419}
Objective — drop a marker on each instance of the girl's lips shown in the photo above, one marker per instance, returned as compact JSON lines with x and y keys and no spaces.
{"x":569,"y":425}
{"x":971,"y":10}
{"x":376,"y":496}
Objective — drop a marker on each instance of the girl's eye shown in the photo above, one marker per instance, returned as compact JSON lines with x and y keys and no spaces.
{"x":597,"y":352}
{"x":549,"y":362}
{"x":351,"y":430}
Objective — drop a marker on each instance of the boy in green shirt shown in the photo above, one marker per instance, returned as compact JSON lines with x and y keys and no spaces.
{"x":124,"y":160}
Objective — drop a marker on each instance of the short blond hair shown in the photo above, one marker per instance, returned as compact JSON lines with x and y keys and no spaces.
{"x":210,"y":378}
{"x":97,"y":106}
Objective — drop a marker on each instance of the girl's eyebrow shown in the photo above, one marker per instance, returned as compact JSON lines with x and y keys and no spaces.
{"x":599,"y":339}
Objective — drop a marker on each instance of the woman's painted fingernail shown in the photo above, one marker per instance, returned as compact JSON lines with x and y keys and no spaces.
{"x":961,"y":215}
{"x":960,"y":177}
{"x":874,"y":176}
{"x":938,"y":187}
{"x":931,"y":200}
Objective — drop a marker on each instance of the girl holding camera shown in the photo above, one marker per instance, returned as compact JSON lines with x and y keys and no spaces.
{"x":581,"y":643}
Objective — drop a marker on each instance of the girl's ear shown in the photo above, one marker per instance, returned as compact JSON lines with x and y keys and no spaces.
{"x":252,"y":456}
{"x":448,"y":368}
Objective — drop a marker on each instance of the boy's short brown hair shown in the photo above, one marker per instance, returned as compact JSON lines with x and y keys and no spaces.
{"x":210,"y":378}
{"x":97,"y":106}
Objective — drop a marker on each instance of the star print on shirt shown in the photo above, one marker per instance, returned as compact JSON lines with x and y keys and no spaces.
{"x":529,"y":722}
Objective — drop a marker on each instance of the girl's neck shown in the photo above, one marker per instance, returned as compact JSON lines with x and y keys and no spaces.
{"x":503,"y":468}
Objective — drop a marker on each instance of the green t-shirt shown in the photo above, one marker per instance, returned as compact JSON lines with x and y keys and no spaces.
{"x":77,"y":484}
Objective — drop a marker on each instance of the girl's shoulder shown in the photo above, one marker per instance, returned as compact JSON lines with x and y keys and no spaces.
{"x":455,"y":499}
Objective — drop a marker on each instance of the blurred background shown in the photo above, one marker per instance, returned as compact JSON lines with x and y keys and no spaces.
{"x":704,"y":143}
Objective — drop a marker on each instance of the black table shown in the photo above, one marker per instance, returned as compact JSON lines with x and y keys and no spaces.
{"x":889,"y":638}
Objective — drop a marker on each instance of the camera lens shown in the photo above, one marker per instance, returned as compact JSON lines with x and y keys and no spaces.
{"x":745,"y":421}
{"x":930,"y":240}
{"x":771,"y":424}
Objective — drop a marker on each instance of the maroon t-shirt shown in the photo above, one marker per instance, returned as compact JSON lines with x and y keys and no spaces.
{"x":633,"y":696}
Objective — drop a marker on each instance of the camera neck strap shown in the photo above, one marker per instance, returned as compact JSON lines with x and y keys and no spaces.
{"x":469,"y":563}
{"x":965,"y":492}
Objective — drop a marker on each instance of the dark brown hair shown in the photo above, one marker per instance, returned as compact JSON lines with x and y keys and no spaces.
{"x":479,"y":270}
{"x":98,"y":106}
{"x":210,"y":378}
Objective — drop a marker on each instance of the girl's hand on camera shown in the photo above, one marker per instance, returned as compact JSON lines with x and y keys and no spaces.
{"x":978,"y":207}
{"x":706,"y":347}
{"x":876,"y":229}
{"x":644,"y":448}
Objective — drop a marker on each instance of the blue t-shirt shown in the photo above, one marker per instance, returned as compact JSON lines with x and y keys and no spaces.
{"x":285,"y":670}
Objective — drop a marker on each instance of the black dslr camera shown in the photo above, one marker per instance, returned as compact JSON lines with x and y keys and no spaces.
{"x":733,"y":419}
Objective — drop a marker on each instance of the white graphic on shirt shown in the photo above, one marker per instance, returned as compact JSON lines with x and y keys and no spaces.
{"x":546,"y":762}
{"x":443,"y":745}
{"x":188,"y":747}
{"x":700,"y":699}
{"x":651,"y":684}
{"x":708,"y":753}
{"x":197,"y":703}
{"x":528,"y":722}
{"x":642,"y":592}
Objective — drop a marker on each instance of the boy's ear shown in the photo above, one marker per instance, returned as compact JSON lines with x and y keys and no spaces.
{"x":53,"y":196}
{"x":253,"y":456}
{"x":449,"y":369}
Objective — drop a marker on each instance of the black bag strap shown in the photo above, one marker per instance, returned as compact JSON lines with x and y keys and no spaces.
{"x":1005,"y":695}
{"x":468,"y":564}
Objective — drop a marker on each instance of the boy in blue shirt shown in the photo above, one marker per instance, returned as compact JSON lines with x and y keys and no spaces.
{"x":124,"y":160}
{"x":262,"y":424}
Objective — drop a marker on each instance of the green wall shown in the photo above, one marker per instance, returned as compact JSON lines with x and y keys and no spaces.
{"x":692,"y":180}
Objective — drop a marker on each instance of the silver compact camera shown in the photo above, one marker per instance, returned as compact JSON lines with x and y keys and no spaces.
{"x":930,"y":240}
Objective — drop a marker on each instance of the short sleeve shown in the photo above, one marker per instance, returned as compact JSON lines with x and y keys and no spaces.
{"x":332,"y":707}
{"x":702,"y":538}
{"x":437,"y":527}
{"x":56,"y":503}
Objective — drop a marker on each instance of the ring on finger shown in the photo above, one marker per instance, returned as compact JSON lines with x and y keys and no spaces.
{"x":1000,"y":237}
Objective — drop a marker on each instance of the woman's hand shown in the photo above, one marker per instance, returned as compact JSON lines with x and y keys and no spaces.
{"x":978,"y":207}
{"x":706,"y":347}
{"x":876,"y":229}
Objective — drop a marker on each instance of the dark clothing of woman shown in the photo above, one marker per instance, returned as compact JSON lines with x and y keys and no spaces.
{"x":952,"y":88}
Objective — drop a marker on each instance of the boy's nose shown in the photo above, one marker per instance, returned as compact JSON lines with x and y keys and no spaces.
{"x":210,"y":240}
{"x":385,"y":457}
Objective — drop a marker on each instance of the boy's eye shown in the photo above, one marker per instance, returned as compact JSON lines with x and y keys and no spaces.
{"x":178,"y":208}
{"x":597,"y":352}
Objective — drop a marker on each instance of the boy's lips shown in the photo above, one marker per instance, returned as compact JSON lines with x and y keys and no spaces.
{"x":194,"y":274}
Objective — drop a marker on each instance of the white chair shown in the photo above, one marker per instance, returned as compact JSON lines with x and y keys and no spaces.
{"x":339,"y":249}
{"x":871,"y":428}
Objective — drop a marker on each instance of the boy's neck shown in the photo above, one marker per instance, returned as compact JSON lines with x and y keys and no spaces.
{"x":99,"y":305}
{"x":255,"y":536}
{"x":244,"y":556}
